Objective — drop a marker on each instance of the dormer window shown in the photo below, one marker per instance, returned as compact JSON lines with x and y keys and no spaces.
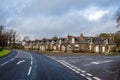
{"x":91,"y":41}
{"x":106,"y":41}
{"x":60,"y":41}
{"x":47,"y":42}
{"x":73,"y":40}
{"x":52,"y":42}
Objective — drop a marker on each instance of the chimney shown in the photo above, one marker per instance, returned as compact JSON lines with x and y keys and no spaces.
{"x":69,"y":36}
{"x":110,"y":36}
{"x":81,"y":36}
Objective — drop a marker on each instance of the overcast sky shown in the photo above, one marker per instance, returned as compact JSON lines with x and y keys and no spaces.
{"x":47,"y":18}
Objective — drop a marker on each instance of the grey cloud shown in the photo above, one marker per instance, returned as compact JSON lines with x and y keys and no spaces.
{"x":55,"y":7}
{"x":3,"y":16}
{"x":72,"y":22}
{"x":46,"y":18}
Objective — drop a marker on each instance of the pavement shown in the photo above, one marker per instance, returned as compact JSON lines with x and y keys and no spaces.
{"x":26,"y":65}
{"x":92,"y":66}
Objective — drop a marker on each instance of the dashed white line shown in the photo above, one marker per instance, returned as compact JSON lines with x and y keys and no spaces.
{"x":82,"y":75}
{"x":89,"y":74}
{"x":31,"y":62}
{"x":4,"y":63}
{"x":12,"y":59}
{"x":7,"y":62}
{"x":96,"y":78}
{"x":88,"y":78}
{"x":73,"y":69}
{"x":69,"y":67}
{"x":15,"y":56}
{"x":83,"y":71}
{"x":79,"y":71}
{"x":29,"y":70}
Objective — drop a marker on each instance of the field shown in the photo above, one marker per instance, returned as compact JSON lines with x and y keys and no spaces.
{"x":4,"y":52}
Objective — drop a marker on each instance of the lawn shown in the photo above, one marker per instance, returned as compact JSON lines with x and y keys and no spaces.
{"x":4,"y":52}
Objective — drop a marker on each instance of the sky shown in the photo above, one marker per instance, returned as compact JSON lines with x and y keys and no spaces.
{"x":48,"y":18}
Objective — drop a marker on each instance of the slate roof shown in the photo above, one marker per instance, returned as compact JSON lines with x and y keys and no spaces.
{"x":78,"y":40}
{"x":87,"y":40}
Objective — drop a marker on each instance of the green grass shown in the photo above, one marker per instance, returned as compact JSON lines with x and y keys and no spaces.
{"x":4,"y":52}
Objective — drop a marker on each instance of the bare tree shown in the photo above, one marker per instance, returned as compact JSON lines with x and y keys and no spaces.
{"x":17,"y":37}
{"x":7,"y":36}
{"x":1,"y":35}
{"x":11,"y":37}
{"x":14,"y":38}
{"x":26,"y":38}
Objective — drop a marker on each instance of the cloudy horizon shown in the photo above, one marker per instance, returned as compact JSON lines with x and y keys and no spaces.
{"x":45,"y":18}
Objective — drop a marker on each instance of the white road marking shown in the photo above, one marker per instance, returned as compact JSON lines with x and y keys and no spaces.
{"x":96,"y":78}
{"x":89,"y":74}
{"x":69,"y":67}
{"x":78,"y":71}
{"x":21,"y":61}
{"x":29,"y":70}
{"x":9,"y":60}
{"x":73,"y":69}
{"x":88,"y":78}
{"x":83,"y":71}
{"x":101,"y":62}
{"x":31,"y":62}
{"x":15,"y":56}
{"x":12,"y":59}
{"x":4,"y":63}
{"x":82,"y":75}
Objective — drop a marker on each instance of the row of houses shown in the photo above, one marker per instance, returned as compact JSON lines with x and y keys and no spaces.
{"x":73,"y":44}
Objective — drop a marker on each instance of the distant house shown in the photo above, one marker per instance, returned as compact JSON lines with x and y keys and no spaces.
{"x":73,"y":44}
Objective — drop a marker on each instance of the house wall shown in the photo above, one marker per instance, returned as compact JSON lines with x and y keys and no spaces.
{"x":97,"y":49}
{"x":69,"y":48}
{"x":63,"y":48}
{"x":91,"y":47}
{"x":83,"y":47}
{"x":43,"y":48}
{"x":103,"y":49}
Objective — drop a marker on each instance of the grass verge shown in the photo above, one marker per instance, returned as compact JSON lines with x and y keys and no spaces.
{"x":4,"y":52}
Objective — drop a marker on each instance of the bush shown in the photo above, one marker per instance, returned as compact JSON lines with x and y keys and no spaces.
{"x":0,"y":48}
{"x":118,"y":50}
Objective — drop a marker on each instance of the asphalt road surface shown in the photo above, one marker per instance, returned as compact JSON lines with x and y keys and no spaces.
{"x":97,"y":66}
{"x":24,"y":65}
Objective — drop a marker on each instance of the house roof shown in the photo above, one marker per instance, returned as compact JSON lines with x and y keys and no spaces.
{"x":87,"y":40}
{"x":78,"y":40}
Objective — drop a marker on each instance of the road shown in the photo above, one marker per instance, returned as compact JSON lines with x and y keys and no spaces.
{"x":24,"y":65}
{"x":99,"y":66}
